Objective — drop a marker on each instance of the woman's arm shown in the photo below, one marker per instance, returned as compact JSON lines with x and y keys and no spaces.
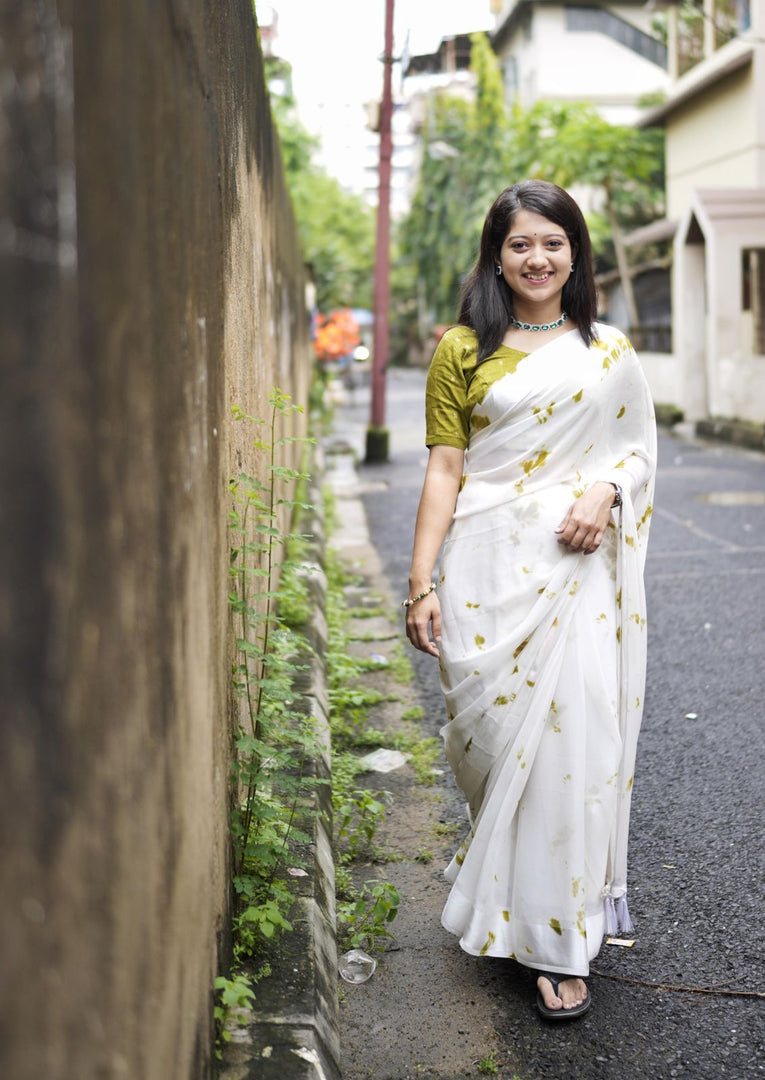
{"x":439,"y":496}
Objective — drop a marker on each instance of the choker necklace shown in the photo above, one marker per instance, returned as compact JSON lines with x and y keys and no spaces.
{"x":536,"y":327}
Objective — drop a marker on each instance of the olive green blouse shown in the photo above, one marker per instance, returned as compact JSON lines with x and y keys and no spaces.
{"x":457,"y":384}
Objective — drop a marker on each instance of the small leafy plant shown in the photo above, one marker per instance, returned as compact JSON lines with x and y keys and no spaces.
{"x":275,"y":737}
{"x":489,"y":1065}
{"x":364,"y":916}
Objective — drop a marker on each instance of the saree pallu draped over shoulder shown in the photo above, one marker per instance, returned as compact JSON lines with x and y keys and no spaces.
{"x":543,"y":649}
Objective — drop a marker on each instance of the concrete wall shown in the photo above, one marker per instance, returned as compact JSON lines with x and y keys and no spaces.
{"x":150,"y":277}
{"x":719,"y":373}
{"x":712,"y":141}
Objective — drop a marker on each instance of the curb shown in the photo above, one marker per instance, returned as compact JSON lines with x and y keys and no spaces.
{"x":294,"y":1032}
{"x":737,"y":432}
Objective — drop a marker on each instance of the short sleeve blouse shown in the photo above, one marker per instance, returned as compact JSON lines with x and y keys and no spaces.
{"x":457,"y":383}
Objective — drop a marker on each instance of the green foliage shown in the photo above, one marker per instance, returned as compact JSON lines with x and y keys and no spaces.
{"x":337,"y":232}
{"x":365,"y":612}
{"x":466,"y":164}
{"x":268,"y":783}
{"x":489,"y":1065}
{"x":447,"y":828}
{"x":667,"y":414}
{"x":474,"y":150}
{"x":363,"y":916}
{"x":400,"y":667}
{"x":294,"y":602}
{"x":233,"y":995}
{"x":424,"y":754}
{"x":272,"y":746}
{"x":336,"y":227}
{"x":358,"y":815}
{"x":573,"y":144}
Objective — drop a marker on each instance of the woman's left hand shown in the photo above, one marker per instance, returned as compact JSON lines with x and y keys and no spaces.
{"x":586,"y":519}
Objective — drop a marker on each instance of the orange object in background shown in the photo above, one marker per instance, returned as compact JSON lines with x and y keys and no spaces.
{"x":337,"y":335}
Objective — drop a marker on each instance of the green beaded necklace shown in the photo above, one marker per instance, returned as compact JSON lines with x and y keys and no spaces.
{"x":536,"y":327}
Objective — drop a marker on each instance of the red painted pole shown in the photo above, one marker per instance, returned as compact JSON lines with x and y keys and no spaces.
{"x":381,"y":337}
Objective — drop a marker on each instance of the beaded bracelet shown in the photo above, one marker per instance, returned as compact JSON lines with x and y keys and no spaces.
{"x":431,"y":588}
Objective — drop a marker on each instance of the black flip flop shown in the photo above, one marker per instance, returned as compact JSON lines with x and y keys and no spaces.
{"x":560,"y":1014}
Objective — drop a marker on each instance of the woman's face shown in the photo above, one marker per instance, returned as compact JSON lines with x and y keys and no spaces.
{"x":535,"y":258}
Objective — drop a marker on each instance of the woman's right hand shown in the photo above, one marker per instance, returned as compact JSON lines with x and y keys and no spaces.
{"x":422,"y":617}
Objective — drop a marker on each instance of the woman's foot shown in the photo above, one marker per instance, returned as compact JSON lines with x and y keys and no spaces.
{"x":562,"y":997}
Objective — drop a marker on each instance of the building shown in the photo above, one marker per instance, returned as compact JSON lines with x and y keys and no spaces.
{"x":715,"y":179}
{"x":607,"y":55}
{"x":423,"y":76}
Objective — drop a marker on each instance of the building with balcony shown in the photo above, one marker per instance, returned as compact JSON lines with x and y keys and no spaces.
{"x":607,"y":55}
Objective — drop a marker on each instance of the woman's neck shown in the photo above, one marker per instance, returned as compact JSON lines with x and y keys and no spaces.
{"x":537,"y":314}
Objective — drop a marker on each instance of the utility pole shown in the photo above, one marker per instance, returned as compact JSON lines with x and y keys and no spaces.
{"x":377,"y":433}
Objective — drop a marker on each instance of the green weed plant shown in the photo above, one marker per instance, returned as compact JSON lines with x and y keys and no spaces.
{"x":271,"y":787}
{"x":364,"y":912}
{"x":269,"y":601}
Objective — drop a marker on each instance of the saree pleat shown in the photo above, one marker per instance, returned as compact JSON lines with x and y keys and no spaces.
{"x":543,"y":653}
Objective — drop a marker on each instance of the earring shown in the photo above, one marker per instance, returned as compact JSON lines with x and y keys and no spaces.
{"x":571,"y":268}
{"x":499,"y":270}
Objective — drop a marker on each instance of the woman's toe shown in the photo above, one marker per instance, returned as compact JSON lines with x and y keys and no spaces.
{"x":573,"y":993}
{"x":550,"y":998}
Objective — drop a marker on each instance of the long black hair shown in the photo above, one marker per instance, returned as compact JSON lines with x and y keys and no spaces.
{"x":486,"y":302}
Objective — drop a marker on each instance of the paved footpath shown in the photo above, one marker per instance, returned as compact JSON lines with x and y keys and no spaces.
{"x":697,"y":863}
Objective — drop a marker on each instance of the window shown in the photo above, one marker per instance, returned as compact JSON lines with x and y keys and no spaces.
{"x":510,"y":79}
{"x":702,"y":28}
{"x":731,"y":17}
{"x":601,"y":21}
{"x":690,"y":36}
{"x":753,"y":294}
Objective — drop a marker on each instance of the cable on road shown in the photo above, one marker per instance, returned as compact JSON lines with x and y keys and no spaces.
{"x":678,"y":989}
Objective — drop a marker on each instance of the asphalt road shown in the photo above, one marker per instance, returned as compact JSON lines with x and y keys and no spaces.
{"x":697,"y":864}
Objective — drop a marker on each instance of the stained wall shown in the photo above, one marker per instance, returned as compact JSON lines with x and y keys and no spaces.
{"x":150,"y":277}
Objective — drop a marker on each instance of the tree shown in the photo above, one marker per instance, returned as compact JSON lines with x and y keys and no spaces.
{"x":336,"y":227}
{"x":465,"y":164}
{"x":337,"y":231}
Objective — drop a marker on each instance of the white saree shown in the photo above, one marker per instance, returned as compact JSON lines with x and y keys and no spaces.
{"x":543,"y":650}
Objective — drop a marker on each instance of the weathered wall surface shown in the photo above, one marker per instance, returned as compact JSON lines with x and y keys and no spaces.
{"x":150,"y":277}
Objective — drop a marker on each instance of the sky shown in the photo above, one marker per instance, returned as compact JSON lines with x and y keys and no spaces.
{"x":334,"y":47}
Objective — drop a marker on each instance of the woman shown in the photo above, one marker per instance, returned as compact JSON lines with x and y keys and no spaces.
{"x":539,"y":483}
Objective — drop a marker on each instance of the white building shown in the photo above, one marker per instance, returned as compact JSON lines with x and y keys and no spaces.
{"x":605,"y":54}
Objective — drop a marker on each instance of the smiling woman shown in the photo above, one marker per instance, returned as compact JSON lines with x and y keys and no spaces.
{"x":539,"y":484}
{"x":535,"y":261}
